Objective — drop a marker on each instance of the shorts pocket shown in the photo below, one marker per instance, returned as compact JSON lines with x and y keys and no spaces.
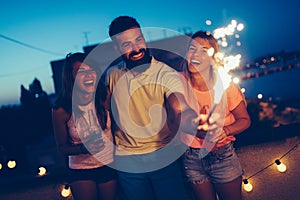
{"x":225,"y":152}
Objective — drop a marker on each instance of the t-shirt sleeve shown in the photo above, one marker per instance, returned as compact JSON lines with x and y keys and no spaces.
{"x":234,"y":96}
{"x":173,"y":83}
{"x":110,"y":74}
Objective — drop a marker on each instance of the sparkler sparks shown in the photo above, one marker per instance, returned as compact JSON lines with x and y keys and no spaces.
{"x":227,"y":63}
{"x":222,"y":83}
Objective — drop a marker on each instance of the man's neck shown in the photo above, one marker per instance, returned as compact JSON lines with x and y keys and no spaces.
{"x":137,"y":70}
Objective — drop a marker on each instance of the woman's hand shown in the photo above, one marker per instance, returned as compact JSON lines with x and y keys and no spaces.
{"x":206,"y":125}
{"x":212,"y":129}
{"x":94,"y":143}
{"x":217,"y":136}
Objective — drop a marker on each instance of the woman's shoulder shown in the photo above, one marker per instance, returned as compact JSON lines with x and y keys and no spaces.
{"x":233,"y":88}
{"x":60,"y":113}
{"x":234,"y":94}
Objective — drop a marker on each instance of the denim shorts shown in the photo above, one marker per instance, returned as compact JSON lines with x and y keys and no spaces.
{"x":219,"y":166}
{"x":99,"y":175}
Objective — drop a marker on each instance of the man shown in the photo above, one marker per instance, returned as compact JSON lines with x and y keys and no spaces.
{"x":148,"y":109}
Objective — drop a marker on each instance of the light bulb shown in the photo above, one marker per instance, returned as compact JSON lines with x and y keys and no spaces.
{"x":66,"y":191}
{"x":0,"y":166}
{"x":247,"y":186}
{"x":11,"y":164}
{"x":259,"y":96}
{"x":42,"y":171}
{"x":280,"y":166}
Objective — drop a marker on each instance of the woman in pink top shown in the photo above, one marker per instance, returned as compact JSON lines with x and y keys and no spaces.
{"x":210,"y":163}
{"x":82,"y":130}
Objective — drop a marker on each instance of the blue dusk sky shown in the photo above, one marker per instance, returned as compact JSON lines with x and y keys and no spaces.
{"x":51,"y":29}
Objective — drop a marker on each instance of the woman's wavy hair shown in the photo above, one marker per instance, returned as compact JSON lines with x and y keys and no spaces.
{"x":214,"y":43}
{"x":64,"y":99}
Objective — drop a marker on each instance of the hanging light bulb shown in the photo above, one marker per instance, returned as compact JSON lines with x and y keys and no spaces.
{"x":247,"y":186}
{"x":280,"y":166}
{"x":66,"y":191}
{"x":42,"y":171}
{"x":259,"y":96}
{"x":11,"y":164}
{"x":0,"y":166}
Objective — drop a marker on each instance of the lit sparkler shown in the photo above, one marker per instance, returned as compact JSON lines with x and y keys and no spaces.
{"x":222,"y":83}
{"x":228,"y":63}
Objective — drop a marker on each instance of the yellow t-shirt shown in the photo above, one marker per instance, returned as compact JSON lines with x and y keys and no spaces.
{"x":138,"y":107}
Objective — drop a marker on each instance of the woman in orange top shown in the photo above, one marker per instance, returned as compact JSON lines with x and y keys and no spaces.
{"x":210,"y":162}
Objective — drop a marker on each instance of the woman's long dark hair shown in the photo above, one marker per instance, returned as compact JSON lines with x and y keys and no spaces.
{"x":64,"y":99}
{"x":102,"y":101}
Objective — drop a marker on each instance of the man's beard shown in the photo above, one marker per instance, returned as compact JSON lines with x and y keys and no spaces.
{"x":130,"y":64}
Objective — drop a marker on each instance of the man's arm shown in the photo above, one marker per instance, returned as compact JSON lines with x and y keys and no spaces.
{"x":184,"y":118}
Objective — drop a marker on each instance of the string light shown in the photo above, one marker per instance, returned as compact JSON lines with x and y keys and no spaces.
{"x":280,"y":166}
{"x":259,"y":96}
{"x":11,"y":164}
{"x":247,"y":186}
{"x":42,"y":171}
{"x":66,"y":191}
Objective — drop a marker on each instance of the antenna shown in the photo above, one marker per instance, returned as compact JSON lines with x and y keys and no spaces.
{"x":86,"y":37}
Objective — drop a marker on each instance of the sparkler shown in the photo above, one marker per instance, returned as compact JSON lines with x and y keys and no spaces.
{"x":222,"y":83}
{"x":226,"y":63}
{"x":229,"y":62}
{"x":223,"y":78}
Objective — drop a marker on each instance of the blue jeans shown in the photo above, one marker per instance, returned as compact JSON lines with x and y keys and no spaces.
{"x":162,"y":184}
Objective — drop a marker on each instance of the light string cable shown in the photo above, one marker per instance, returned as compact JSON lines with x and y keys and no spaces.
{"x":288,"y":152}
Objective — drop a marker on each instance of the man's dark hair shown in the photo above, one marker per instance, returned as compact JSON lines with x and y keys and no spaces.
{"x":122,"y":23}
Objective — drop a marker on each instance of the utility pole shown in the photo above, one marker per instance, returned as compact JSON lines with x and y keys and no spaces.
{"x":86,"y":37}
